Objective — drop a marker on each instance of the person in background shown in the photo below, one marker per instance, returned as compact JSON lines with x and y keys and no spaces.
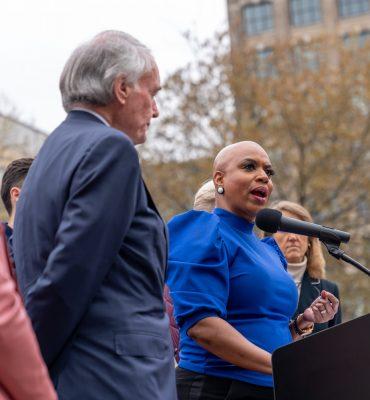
{"x":89,"y":244}
{"x":233,"y":297}
{"x":23,"y":374}
{"x":306,"y":263}
{"x":204,"y":199}
{"x":174,"y":329}
{"x":11,"y":185}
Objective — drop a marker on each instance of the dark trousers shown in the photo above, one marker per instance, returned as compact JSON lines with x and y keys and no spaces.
{"x":194,"y":386}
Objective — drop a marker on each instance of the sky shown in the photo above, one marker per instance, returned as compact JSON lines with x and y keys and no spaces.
{"x":37,"y":37}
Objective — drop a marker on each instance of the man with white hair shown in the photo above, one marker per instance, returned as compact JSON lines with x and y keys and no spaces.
{"x":90,"y":246}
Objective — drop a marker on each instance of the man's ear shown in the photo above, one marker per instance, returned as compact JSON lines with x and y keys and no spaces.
{"x":121,"y":89}
{"x":218,"y":178}
{"x":14,"y":194}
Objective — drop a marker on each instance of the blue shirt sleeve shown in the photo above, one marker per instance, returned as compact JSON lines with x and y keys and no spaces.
{"x":198,"y":273}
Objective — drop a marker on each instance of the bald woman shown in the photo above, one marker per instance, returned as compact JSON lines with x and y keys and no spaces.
{"x":232,"y":294}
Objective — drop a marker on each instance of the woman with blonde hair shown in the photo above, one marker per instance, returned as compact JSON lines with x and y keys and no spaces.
{"x":306,"y":263}
{"x":204,"y":199}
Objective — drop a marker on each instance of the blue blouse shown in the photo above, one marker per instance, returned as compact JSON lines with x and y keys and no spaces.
{"x":219,"y":267}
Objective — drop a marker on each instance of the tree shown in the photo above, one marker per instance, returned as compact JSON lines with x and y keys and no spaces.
{"x":311,"y":114}
{"x":17,"y":139}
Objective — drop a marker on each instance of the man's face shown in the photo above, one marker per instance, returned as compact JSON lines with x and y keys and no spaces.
{"x":140,"y":106}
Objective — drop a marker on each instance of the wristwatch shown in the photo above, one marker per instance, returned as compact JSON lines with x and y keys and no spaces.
{"x":298,"y":330}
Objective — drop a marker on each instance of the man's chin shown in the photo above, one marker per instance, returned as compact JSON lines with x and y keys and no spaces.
{"x":139,"y":137}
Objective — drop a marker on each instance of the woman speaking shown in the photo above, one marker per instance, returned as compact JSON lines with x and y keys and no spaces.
{"x":232,"y":294}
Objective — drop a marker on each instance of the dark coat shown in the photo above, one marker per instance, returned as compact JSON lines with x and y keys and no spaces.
{"x":310,"y":290}
{"x":90,"y":250}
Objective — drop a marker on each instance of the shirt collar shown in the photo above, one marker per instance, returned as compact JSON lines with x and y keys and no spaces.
{"x":8,"y":230}
{"x":234,"y":220}
{"x":102,"y":119}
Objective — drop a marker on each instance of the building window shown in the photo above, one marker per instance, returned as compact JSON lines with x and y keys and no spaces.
{"x":350,"y":8}
{"x":357,"y":41}
{"x":364,"y":38}
{"x":304,"y":12}
{"x":264,"y":63}
{"x":258,"y":18}
{"x":306,"y":58}
{"x":350,"y":40}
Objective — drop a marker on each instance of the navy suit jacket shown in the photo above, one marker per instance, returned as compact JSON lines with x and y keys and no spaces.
{"x":91,"y":252}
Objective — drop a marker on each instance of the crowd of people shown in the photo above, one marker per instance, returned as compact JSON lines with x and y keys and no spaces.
{"x":99,"y":297}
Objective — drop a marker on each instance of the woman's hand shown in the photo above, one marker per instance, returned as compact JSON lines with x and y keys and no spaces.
{"x":322,"y":309}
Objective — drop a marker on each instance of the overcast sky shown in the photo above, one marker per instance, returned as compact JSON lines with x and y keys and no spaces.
{"x":37,"y":36}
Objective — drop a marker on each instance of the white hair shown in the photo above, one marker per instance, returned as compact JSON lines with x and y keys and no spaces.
{"x":204,"y":199}
{"x":89,"y":74}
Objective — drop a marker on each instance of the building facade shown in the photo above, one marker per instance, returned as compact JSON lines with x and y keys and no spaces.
{"x":18,"y":139}
{"x":260,"y":24}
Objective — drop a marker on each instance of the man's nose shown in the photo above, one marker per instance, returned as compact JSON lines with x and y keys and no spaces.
{"x":155,"y":109}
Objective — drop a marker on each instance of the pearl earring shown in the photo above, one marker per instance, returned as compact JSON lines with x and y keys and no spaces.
{"x":220,"y":190}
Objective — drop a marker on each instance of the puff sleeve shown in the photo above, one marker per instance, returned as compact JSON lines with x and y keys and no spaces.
{"x":198,"y":273}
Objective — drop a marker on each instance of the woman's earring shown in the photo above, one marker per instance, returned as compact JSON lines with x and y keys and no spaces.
{"x":220,"y":190}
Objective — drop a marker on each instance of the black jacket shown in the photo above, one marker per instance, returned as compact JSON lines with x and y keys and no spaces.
{"x":310,"y":290}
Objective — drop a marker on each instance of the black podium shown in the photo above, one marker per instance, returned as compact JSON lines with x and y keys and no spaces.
{"x":330,"y":365}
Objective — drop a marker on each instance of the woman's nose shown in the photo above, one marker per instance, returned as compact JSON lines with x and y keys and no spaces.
{"x":262,"y":176}
{"x":292,"y":236}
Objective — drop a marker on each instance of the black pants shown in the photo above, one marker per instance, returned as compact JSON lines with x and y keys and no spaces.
{"x":194,"y":386}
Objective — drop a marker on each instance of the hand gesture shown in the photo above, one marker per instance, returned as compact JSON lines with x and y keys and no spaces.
{"x":322,"y":309}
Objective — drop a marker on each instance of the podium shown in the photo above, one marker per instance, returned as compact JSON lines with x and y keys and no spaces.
{"x":333,"y":364}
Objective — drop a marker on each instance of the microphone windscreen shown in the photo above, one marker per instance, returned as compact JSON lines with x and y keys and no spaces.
{"x":268,"y":220}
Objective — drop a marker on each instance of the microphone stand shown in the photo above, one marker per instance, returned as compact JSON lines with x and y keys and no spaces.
{"x":332,"y":243}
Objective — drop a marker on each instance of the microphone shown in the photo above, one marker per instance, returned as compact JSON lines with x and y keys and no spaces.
{"x":270,"y":220}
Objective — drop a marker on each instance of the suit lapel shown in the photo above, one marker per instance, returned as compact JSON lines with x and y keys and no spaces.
{"x":310,"y":290}
{"x":150,"y":200}
{"x":154,"y":208}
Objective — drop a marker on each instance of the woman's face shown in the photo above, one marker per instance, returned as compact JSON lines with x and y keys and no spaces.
{"x":292,"y":245}
{"x":245,"y":175}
